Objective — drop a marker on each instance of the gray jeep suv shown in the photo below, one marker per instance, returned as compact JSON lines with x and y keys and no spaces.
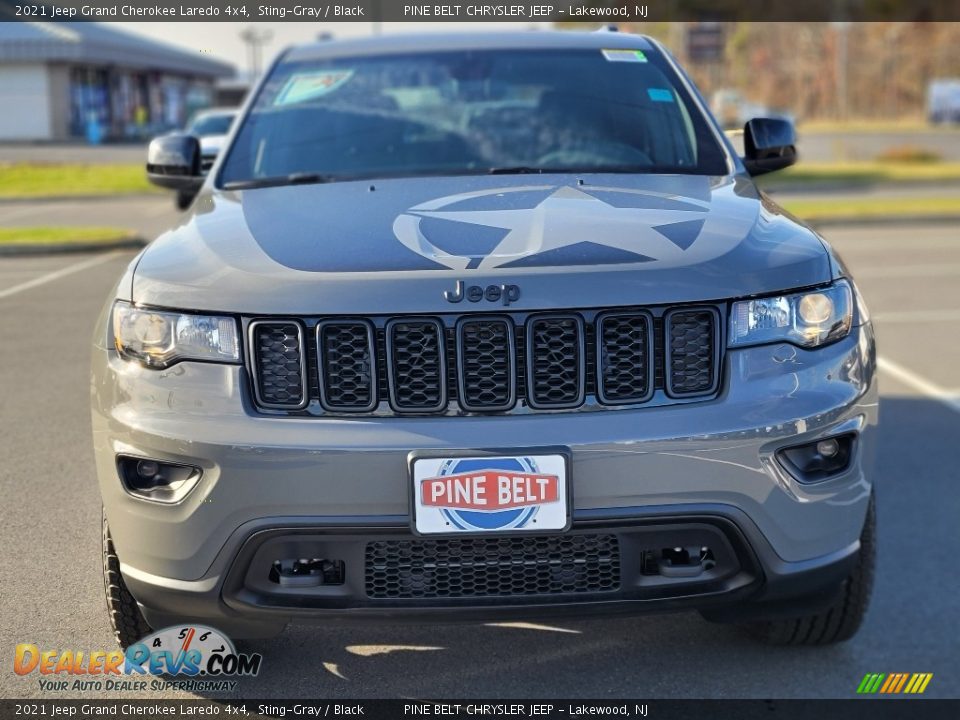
{"x":484,"y":325}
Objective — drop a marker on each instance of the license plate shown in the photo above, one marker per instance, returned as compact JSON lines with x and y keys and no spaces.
{"x":490,"y":494}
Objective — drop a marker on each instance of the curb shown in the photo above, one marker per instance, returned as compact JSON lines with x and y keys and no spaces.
{"x":113,"y":197}
{"x":883,"y":220}
{"x":815,"y":187}
{"x":66,"y":248}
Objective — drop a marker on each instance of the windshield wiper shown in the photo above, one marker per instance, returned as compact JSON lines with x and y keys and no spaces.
{"x":579,"y":169}
{"x":301,"y":178}
{"x":516,"y":170}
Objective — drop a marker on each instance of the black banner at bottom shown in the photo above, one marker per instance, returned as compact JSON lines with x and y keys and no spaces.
{"x":854,"y":709}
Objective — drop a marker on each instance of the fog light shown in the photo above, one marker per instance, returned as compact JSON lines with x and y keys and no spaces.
{"x":828,"y":448}
{"x":147,"y":469}
{"x":157,"y":480}
{"x":819,"y":460}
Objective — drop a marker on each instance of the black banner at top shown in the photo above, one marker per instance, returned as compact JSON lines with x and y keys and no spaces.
{"x":585,"y":11}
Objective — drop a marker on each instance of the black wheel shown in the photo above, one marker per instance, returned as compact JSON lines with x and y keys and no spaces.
{"x":127,"y":621}
{"x":840,"y":621}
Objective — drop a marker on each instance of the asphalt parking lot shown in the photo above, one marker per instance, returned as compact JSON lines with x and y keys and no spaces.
{"x":51,"y":592}
{"x":146,"y":215}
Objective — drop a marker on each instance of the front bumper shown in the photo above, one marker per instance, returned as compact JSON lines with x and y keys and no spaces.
{"x":749,"y":579}
{"x":712,"y":461}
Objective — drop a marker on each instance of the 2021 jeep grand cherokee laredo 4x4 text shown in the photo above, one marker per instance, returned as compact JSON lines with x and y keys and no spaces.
{"x":484,"y":325}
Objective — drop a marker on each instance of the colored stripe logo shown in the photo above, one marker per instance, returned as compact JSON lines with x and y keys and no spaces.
{"x":894,"y":683}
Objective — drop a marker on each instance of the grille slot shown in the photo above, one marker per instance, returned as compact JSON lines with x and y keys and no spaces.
{"x":624,"y":349}
{"x":692,"y":352}
{"x":416,"y":361}
{"x":556,"y":365}
{"x":279,"y":364}
{"x":492,"y":567}
{"x":486,"y":351}
{"x":347,"y":365}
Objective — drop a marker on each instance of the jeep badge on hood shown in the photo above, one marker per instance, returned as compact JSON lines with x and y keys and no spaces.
{"x":475,"y":293}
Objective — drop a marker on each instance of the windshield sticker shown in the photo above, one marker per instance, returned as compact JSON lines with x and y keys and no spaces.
{"x":308,"y":86}
{"x":660,"y":94}
{"x":625,"y":56}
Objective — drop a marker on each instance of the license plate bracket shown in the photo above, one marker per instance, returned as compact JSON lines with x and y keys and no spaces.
{"x":483,"y":492}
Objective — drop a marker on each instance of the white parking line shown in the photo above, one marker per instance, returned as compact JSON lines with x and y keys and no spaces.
{"x":920,"y":384}
{"x":57,"y":274}
{"x":371,"y":650}
{"x":159,"y":210}
{"x":532,"y":626}
{"x":333,"y":670}
{"x":915,"y":316}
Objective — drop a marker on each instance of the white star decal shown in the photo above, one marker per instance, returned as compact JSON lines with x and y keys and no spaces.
{"x":567,"y":217}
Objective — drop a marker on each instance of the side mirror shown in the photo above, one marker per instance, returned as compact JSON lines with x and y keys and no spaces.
{"x":173,"y":161}
{"x":768,"y":144}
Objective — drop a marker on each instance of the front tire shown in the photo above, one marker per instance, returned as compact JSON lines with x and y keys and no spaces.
{"x":840,"y":621}
{"x":126,"y":620}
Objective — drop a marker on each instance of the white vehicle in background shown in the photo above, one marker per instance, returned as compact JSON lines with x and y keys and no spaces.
{"x":210,"y":127}
{"x":733,"y":110}
{"x":943,"y":101}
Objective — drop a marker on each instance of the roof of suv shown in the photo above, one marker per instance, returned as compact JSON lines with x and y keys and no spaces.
{"x":438,"y":42}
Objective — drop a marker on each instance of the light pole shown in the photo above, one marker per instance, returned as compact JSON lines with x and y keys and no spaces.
{"x":255,"y":38}
{"x":842,"y":30}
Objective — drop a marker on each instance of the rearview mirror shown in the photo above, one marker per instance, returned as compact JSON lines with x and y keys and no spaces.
{"x":173,"y":161}
{"x":769,"y":144}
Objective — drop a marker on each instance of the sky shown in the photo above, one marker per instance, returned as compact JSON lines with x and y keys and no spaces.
{"x":221,"y":40}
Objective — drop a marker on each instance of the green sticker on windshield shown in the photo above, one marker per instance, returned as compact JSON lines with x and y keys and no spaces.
{"x":624,"y":55}
{"x":308,"y":86}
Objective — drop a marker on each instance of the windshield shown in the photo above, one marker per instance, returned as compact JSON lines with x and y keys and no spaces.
{"x":206,"y":125}
{"x":468,"y":112}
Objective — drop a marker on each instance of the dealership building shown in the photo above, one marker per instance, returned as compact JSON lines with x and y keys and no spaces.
{"x":74,"y":80}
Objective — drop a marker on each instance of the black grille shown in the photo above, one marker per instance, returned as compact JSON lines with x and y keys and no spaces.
{"x":492,"y":567}
{"x":486,"y":351}
{"x":279,"y":365}
{"x":487,"y":363}
{"x":417,"y":365}
{"x":556,"y":366}
{"x":347,"y":365}
{"x":624,"y":349}
{"x":691,"y":352}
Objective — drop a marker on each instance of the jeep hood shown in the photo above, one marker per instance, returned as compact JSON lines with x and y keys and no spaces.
{"x":395,"y":246}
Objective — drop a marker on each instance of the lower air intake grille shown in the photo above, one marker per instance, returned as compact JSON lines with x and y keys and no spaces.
{"x":493,"y":567}
{"x":691,"y":337}
{"x":280,"y":363}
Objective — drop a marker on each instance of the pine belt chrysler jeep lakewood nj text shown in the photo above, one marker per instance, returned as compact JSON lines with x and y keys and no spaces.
{"x":484,"y":325}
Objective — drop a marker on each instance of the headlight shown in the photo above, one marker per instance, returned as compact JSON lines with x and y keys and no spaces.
{"x":807,"y":319}
{"x":158,"y":339}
